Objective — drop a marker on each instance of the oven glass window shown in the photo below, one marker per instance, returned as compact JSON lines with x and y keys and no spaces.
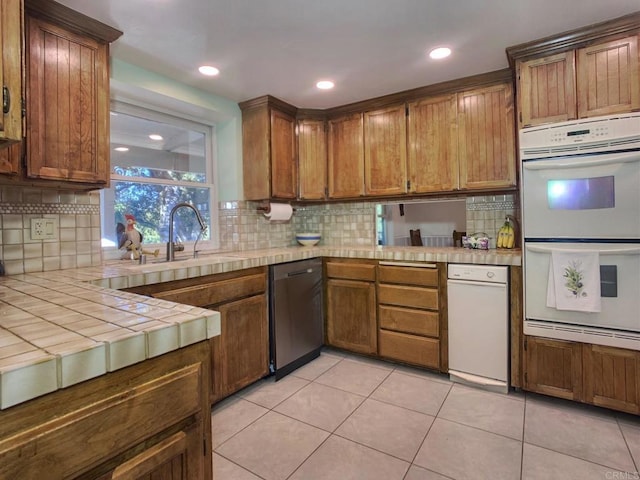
{"x":581,"y":193}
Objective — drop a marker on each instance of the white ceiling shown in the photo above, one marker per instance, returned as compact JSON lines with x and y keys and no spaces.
{"x":368,"y":47}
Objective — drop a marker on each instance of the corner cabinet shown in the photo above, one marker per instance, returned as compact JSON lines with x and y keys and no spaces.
{"x":269,"y":149}
{"x":10,"y":78}
{"x":149,"y":420}
{"x":351,"y":305}
{"x":587,"y":72}
{"x":67,"y":95}
{"x":240,"y":354}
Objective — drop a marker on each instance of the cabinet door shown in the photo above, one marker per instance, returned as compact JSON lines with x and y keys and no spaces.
{"x":284,"y":175}
{"x":612,"y":377}
{"x":608,"y":78}
{"x":10,"y":159}
{"x":312,"y":159}
{"x":346,"y":157}
{"x":547,"y":89}
{"x":486,"y":138}
{"x":351,"y":315}
{"x":553,"y":367}
{"x":175,"y":458}
{"x":67,"y":105}
{"x":255,"y":153}
{"x":10,"y":72}
{"x":385,"y":151}
{"x":240,"y":353}
{"x":433,"y":145}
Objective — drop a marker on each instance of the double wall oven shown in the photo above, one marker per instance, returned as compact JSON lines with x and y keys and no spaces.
{"x":581,"y":200}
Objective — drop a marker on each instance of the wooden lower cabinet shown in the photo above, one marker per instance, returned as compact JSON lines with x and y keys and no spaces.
{"x":553,"y":367}
{"x":351,"y":305}
{"x":595,"y":374}
{"x":612,"y":377}
{"x":409,"y":316}
{"x":241,"y":353}
{"x":148,"y":421}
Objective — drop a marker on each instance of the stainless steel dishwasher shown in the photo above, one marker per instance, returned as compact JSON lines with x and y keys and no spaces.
{"x":296,"y":330}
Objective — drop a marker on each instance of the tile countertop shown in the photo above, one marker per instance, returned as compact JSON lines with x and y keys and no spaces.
{"x":63,"y":327}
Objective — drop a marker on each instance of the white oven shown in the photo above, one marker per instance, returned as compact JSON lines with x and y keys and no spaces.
{"x":581,"y":200}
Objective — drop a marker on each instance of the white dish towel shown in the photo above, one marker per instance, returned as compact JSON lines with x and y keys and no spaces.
{"x":574,"y":281}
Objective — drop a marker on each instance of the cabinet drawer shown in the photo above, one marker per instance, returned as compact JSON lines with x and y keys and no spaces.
{"x":424,"y":277}
{"x":404,"y":296}
{"x":103,"y":429}
{"x":216,"y":292}
{"x":409,"y":348}
{"x":351,"y":271}
{"x":420,"y":322}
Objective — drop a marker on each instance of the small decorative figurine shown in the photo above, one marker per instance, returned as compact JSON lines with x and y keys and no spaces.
{"x":130,"y":239}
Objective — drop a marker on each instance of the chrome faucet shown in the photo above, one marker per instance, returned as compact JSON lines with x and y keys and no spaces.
{"x":171,"y":246}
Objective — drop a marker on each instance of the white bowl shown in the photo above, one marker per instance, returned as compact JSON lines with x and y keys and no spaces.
{"x":308,"y":239}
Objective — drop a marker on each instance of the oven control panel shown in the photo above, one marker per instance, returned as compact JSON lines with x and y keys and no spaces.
{"x":591,"y":134}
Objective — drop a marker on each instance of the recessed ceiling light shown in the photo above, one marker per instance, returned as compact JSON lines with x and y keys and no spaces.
{"x":209,"y":70}
{"x":440,"y":52}
{"x":155,"y":136}
{"x":121,"y":149}
{"x":325,"y":84}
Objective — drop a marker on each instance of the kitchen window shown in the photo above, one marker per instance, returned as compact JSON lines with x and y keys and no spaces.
{"x":157,"y":161}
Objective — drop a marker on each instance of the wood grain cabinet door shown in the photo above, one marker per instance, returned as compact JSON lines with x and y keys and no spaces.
{"x":608,"y":78}
{"x":547,"y":89}
{"x":67,"y":105}
{"x":312,"y":159}
{"x":284,"y":173}
{"x":346,"y":156}
{"x":612,"y":377}
{"x":385,"y":151}
{"x":486,"y":138}
{"x":10,"y":73}
{"x":433,"y":145}
{"x":553,"y":367}
{"x":240,"y":353}
{"x":351,"y":315}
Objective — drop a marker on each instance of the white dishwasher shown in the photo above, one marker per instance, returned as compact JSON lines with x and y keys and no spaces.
{"x":478,"y":310}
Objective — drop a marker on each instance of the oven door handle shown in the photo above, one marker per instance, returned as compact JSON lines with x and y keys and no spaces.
{"x":618,"y":251}
{"x":577,"y":162}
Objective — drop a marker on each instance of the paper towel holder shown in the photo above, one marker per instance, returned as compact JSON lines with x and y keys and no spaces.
{"x":265,"y":207}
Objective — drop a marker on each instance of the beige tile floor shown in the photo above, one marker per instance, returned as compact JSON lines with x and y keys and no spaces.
{"x":344,"y":417}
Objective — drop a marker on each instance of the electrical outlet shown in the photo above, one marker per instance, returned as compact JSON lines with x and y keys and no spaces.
{"x":43,"y":229}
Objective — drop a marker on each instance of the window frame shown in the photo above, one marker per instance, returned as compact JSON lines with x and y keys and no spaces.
{"x":159,"y":114}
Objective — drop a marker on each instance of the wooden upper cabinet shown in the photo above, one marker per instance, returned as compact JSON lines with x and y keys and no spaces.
{"x":432,"y":144}
{"x":268,"y":149}
{"x":67,"y":98}
{"x":284,"y":177}
{"x":10,"y":75}
{"x":385,"y":151}
{"x":547,"y":89}
{"x":312,"y":159}
{"x":608,"y":78}
{"x":486,"y":137}
{"x":346,"y":156}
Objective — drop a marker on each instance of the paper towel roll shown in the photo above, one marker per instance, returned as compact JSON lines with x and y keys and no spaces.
{"x":279,"y":212}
